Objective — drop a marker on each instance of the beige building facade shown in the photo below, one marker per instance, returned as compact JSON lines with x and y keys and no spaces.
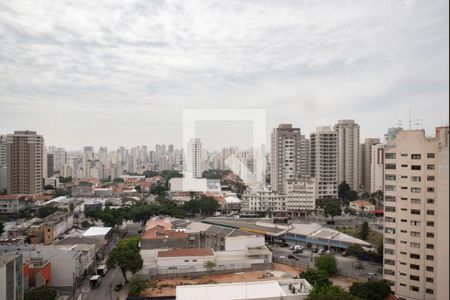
{"x":348,"y":153}
{"x":416,"y":238}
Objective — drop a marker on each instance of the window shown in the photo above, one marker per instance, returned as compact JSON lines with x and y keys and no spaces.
{"x":415,"y":201}
{"x":430,"y":246}
{"x":430,"y":201}
{"x":414,"y":277}
{"x":430,"y":235}
{"x":389,"y":198}
{"x":186,"y":260}
{"x":430,"y":257}
{"x":429,"y":291}
{"x":430,"y":178}
{"x":416,"y":167}
{"x":390,"y":167}
{"x":389,"y":262}
{"x":416,"y":178}
{"x":389,"y":241}
{"x":389,"y":272}
{"x":194,"y":260}
{"x":404,"y":154}
{"x":415,"y":211}
{"x":429,"y":279}
{"x":402,"y":198}
{"x":415,"y":234}
{"x":430,"y":167}
{"x":430,"y":269}
{"x":415,"y":190}
{"x":389,"y":230}
{"x":430,"y":212}
{"x":389,"y":155}
{"x":430,"y":223}
{"x":403,"y":220}
{"x":414,"y":256}
{"x":389,"y":208}
{"x":414,"y":288}
{"x":389,"y":251}
{"x":430,"y":190}
{"x":415,"y":245}
{"x":389,"y":188}
{"x":415,"y":223}
{"x":389,"y":220}
{"x":430,"y":155}
{"x":416,"y":156}
{"x":404,"y":166}
{"x":414,"y":267}
{"x":390,"y":177}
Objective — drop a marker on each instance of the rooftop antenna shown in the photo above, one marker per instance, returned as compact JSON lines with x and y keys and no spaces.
{"x":410,"y":120}
{"x":417,"y":123}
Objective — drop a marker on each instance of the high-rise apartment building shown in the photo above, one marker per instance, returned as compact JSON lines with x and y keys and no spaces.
{"x":285,"y":155}
{"x":348,"y":152}
{"x":377,"y":168}
{"x":11,"y":277}
{"x":3,"y":168}
{"x":304,"y":156}
{"x":50,"y":165}
{"x":25,"y":162}
{"x":323,"y":162}
{"x":193,"y":161}
{"x":416,"y":239}
{"x":60,"y":158}
{"x":365,"y":163}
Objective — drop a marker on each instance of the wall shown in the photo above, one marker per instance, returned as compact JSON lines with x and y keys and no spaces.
{"x":243,"y":242}
{"x":164,"y":243}
{"x":196,"y":263}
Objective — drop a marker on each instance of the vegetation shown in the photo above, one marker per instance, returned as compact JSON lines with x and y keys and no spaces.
{"x":136,"y":287}
{"x":316,"y":278}
{"x":60,"y":192}
{"x":41,"y":293}
{"x":205,"y":206}
{"x":150,"y":173}
{"x":364,"y":232}
{"x":49,"y":187}
{"x":371,"y":290}
{"x":2,"y":228}
{"x":210,"y":266}
{"x":332,"y":209}
{"x":215,"y":174}
{"x":126,"y":256}
{"x":45,"y":211}
{"x":119,"y":180}
{"x":345,"y":193}
{"x":326,"y":263}
{"x":65,"y":179}
{"x":330,"y":292}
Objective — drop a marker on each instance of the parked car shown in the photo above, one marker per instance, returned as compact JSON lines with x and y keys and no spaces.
{"x":118,"y":287}
{"x":315,"y":250}
{"x":372,"y":276}
{"x":292,"y":257}
{"x":282,"y":257}
{"x":322,"y":252}
{"x":298,"y":250}
{"x":344,"y":253}
{"x":283,"y":244}
{"x":291,"y":247}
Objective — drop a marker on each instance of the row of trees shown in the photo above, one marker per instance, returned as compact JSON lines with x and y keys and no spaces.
{"x":323,"y":289}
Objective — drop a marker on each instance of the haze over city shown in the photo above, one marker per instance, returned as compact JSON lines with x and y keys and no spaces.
{"x":119,"y":73}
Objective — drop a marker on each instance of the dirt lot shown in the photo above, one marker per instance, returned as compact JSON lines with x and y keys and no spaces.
{"x":166,"y":286}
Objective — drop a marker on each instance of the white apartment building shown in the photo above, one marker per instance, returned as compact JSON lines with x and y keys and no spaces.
{"x":300,"y":195}
{"x":348,"y":152}
{"x":59,"y":158}
{"x":193,"y":164}
{"x":365,"y":163}
{"x":285,"y":155}
{"x":304,"y":156}
{"x":265,"y":200}
{"x":323,"y":145}
{"x":3,"y":174}
{"x":11,"y":277}
{"x":416,"y":239}
{"x":377,"y":168}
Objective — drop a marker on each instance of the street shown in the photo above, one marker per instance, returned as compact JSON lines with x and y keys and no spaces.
{"x":106,"y":288}
{"x":345,"y":265}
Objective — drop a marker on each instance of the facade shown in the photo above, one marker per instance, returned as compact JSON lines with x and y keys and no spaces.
{"x":301,"y":195}
{"x":377,"y":168}
{"x":12,"y":204}
{"x":365,"y":165}
{"x":193,"y":164}
{"x":285,"y":155}
{"x":25,"y":162}
{"x":56,"y":224}
{"x":11,"y":277}
{"x":263,"y":201}
{"x":323,"y":149}
{"x":304,"y":156}
{"x":362,"y":206}
{"x":50,"y":165}
{"x":3,"y":165}
{"x":416,"y":254}
{"x":348,"y":153}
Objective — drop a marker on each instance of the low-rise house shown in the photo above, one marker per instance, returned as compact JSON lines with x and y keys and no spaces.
{"x":39,"y":272}
{"x":159,"y":237}
{"x":179,"y":260}
{"x":56,"y":224}
{"x":13,"y":204}
{"x":362,"y":206}
{"x":102,"y":234}
{"x":83,"y":189}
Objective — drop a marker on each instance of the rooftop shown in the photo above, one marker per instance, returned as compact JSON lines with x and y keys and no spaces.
{"x":361,"y":203}
{"x":160,"y":232}
{"x":186,"y":252}
{"x":94,"y":231}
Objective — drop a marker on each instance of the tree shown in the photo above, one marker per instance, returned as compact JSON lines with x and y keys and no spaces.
{"x":49,"y":187}
{"x":355,"y":250}
{"x":2,"y":228}
{"x":72,"y":206}
{"x":149,"y":173}
{"x":65,"y":179}
{"x":138,"y":188}
{"x":330,"y":292}
{"x":126,"y":256}
{"x":332,"y":208}
{"x":85,"y":224}
{"x":136,"y":287}
{"x":316,"y":278}
{"x":210,"y":265}
{"x":371,"y":290}
{"x":343,"y":190}
{"x":350,"y":211}
{"x":60,"y":192}
{"x":41,"y":293}
{"x":365,"y":230}
{"x":119,"y":180}
{"x":45,"y":211}
{"x":326,"y":263}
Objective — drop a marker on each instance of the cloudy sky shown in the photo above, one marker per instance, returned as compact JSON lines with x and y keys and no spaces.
{"x":120,"y":72}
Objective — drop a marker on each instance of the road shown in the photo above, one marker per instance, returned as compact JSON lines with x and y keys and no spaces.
{"x":345,"y":265}
{"x":106,"y":289}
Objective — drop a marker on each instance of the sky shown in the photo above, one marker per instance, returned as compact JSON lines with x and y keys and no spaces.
{"x":121,"y":72}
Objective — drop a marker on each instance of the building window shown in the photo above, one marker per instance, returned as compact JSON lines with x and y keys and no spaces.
{"x":416,"y":178}
{"x":389,"y":155}
{"x":430,"y":246}
{"x":430,"y":201}
{"x":415,"y":223}
{"x":389,"y":262}
{"x":415,"y":190}
{"x":415,"y":234}
{"x":430,"y":155}
{"x":389,"y":272}
{"x":430,"y":212}
{"x":414,"y":277}
{"x":390,"y":167}
{"x":389,"y":208}
{"x":414,"y":267}
{"x":414,"y":288}
{"x":430,"y":190}
{"x":430,"y":223}
{"x":430,"y":269}
{"x":414,"y":256}
{"x":415,"y":211}
{"x":430,"y":167}
{"x":389,"y":188}
{"x":415,"y":201}
{"x":429,"y":279}
{"x":430,"y":235}
{"x":389,"y":241}
{"x":416,"y":156}
{"x":389,"y":198}
{"x":430,"y":178}
{"x":390,"y":177}
{"x":416,"y":167}
{"x":389,"y":251}
{"x":430,"y":257}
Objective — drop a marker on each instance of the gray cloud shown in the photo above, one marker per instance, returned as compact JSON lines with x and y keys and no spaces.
{"x":118,"y":72}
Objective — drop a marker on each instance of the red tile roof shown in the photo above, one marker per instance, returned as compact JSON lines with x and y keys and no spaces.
{"x":361,"y":203}
{"x":186,"y":252}
{"x":162,"y":223}
{"x":159,"y":232}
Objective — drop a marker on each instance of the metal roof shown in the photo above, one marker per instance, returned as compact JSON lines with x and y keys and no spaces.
{"x":95,"y":231}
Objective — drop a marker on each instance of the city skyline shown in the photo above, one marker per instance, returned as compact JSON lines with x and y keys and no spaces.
{"x":126,"y":70}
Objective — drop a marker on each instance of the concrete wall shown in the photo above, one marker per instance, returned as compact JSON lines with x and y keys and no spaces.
{"x":194,"y":263}
{"x":243,"y":242}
